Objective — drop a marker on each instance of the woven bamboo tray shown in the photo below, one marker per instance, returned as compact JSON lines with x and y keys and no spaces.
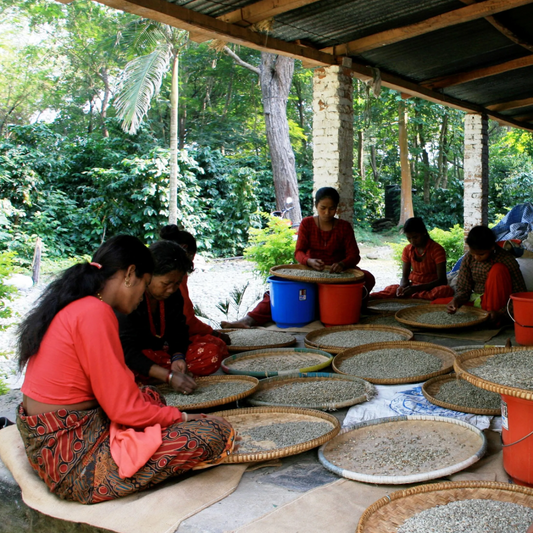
{"x":468,"y":360}
{"x":295,"y":353}
{"x":446,"y":355}
{"x":377,"y":305}
{"x":253,"y":382}
{"x":432,"y":387}
{"x":277,"y":382}
{"x":410,"y":316}
{"x":312,"y":342}
{"x":390,"y":512}
{"x":443,"y":429}
{"x":248,"y":418}
{"x":299,"y":274}
{"x":233,"y":349}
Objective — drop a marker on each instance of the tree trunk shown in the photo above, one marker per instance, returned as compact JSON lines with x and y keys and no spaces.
{"x":276,"y":76}
{"x":105,"y":101}
{"x":173,"y":180}
{"x":361,"y":153}
{"x":406,"y":209}
{"x":373,"y":163}
{"x":425,"y":161}
{"x":442,"y":178}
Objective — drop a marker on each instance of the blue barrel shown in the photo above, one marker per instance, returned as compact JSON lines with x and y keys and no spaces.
{"x":293,"y":303}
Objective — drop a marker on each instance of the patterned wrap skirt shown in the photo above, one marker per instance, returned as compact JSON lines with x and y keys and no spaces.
{"x":70,"y":451}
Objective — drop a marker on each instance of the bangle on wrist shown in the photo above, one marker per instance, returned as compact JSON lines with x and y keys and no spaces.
{"x":177,"y":357}
{"x":184,"y":417}
{"x":169,"y":377}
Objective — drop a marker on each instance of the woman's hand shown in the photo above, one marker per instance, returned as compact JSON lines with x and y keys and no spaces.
{"x":452,"y":307}
{"x":179,"y":366}
{"x":336,"y":267}
{"x":222,"y":336}
{"x":180,"y":382}
{"x":316,"y":264}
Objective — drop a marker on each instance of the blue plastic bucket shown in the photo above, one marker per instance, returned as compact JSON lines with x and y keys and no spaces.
{"x":293,"y":303}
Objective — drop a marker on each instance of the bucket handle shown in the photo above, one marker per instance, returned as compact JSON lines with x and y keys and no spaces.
{"x":517,"y":441}
{"x":512,"y":318}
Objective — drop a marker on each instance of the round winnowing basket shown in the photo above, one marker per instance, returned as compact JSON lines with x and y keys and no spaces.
{"x":252,"y":417}
{"x":312,"y":339}
{"x":446,"y":356}
{"x":285,"y":340}
{"x":392,"y":305}
{"x":298,"y":355}
{"x":389,"y":513}
{"x":432,"y":387}
{"x":356,"y":451}
{"x":277,"y":383}
{"x":210,"y":380}
{"x":300,"y":270}
{"x":467,"y":361}
{"x":410,"y":316}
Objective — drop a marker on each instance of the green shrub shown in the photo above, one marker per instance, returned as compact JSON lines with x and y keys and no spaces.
{"x":6,"y":291}
{"x":272,"y":245}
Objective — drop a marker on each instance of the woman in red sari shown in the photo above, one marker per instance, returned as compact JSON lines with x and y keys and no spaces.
{"x":89,"y":432}
{"x":323,"y":240}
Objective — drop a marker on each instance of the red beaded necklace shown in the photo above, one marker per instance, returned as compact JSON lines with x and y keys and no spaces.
{"x":161,"y":318}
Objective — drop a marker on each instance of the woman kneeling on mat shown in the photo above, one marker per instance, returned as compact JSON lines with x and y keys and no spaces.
{"x":487,"y":277}
{"x":89,"y":432}
{"x":323,"y":240}
{"x":423,"y":267}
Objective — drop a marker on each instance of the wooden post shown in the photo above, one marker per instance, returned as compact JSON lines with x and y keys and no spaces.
{"x":406,"y":206}
{"x":36,"y":263}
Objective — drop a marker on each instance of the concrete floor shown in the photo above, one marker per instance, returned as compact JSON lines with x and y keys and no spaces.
{"x":259,"y":492}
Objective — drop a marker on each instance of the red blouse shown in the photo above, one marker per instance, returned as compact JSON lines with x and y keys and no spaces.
{"x":424,"y":268}
{"x":196,"y":326}
{"x":333,"y":246}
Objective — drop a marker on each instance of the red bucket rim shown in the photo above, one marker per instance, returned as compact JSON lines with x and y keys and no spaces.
{"x":518,"y":296}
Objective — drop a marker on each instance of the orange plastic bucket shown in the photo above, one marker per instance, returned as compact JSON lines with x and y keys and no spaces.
{"x":523,"y":317}
{"x":340,"y":303}
{"x":517,"y":437}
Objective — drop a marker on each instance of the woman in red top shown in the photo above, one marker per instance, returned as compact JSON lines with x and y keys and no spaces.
{"x":323,"y":240}
{"x":89,"y":432}
{"x":423,"y":269}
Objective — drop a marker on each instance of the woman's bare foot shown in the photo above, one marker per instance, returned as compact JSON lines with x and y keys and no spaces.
{"x":244,"y":323}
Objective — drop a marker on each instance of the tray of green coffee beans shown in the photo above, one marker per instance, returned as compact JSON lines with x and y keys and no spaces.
{"x":436,"y":317}
{"x":211,"y":391}
{"x":469,"y":506}
{"x":246,"y":339}
{"x":309,"y":275}
{"x":392,"y":305}
{"x":312,"y":390}
{"x":450,"y":392}
{"x":393,"y":363}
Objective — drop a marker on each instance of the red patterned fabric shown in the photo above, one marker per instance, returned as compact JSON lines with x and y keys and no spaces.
{"x":441,"y":291}
{"x":205,"y":354}
{"x":70,"y":452}
{"x":424,"y":269}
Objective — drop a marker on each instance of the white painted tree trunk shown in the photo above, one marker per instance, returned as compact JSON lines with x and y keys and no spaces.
{"x":406,"y":206}
{"x":173,"y":178}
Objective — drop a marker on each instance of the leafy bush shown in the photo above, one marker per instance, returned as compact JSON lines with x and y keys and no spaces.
{"x":272,"y":245}
{"x":6,"y":291}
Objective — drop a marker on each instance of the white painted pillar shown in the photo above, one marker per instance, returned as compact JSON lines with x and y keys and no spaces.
{"x":333,"y":134}
{"x":476,"y":171}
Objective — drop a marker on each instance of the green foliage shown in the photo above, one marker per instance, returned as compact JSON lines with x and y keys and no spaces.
{"x":271,"y":246}
{"x":234,"y":302}
{"x":6,"y":291}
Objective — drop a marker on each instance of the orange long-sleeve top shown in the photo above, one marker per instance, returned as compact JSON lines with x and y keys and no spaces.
{"x":81,"y":359}
{"x":196,"y":326}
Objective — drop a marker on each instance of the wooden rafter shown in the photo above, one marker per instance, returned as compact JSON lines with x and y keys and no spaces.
{"x":262,"y":10}
{"x":524,"y":118}
{"x":477,"y":74}
{"x":458,"y":16}
{"x":515,"y":104}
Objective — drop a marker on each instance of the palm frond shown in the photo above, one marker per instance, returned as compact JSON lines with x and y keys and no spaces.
{"x":140,"y":81}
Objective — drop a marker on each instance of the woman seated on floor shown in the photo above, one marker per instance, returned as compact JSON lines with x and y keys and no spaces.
{"x":207,"y":347}
{"x":423,"y":267}
{"x":323,"y":240}
{"x":89,"y":432}
{"x":487,"y":277}
{"x":155,"y":337}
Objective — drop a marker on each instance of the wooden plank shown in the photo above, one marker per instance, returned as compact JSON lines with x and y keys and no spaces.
{"x":458,"y":16}
{"x":189,"y":20}
{"x":262,"y":10}
{"x":515,"y":104}
{"x":199,"y":37}
{"x":477,"y":74}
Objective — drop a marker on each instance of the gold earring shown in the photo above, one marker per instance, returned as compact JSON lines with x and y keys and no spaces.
{"x":127,"y":282}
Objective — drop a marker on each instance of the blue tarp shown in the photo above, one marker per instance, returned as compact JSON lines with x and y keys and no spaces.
{"x":516,"y":224}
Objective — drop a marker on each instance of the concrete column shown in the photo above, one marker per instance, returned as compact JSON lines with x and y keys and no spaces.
{"x":333,"y":134}
{"x":476,"y":171}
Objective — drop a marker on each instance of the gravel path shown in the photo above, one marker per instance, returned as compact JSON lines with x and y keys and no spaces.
{"x":210,"y":284}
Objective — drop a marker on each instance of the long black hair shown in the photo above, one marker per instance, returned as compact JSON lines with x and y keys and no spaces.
{"x":83,"y":279}
{"x":171,"y":232}
{"x":481,"y":238}
{"x":169,"y":256}
{"x":415,"y":225}
{"x":327,"y":192}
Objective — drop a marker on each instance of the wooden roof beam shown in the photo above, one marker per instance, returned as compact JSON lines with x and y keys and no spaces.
{"x":265,"y":9}
{"x":477,"y":74}
{"x":515,"y":104}
{"x":186,"y":19}
{"x":457,"y":16}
